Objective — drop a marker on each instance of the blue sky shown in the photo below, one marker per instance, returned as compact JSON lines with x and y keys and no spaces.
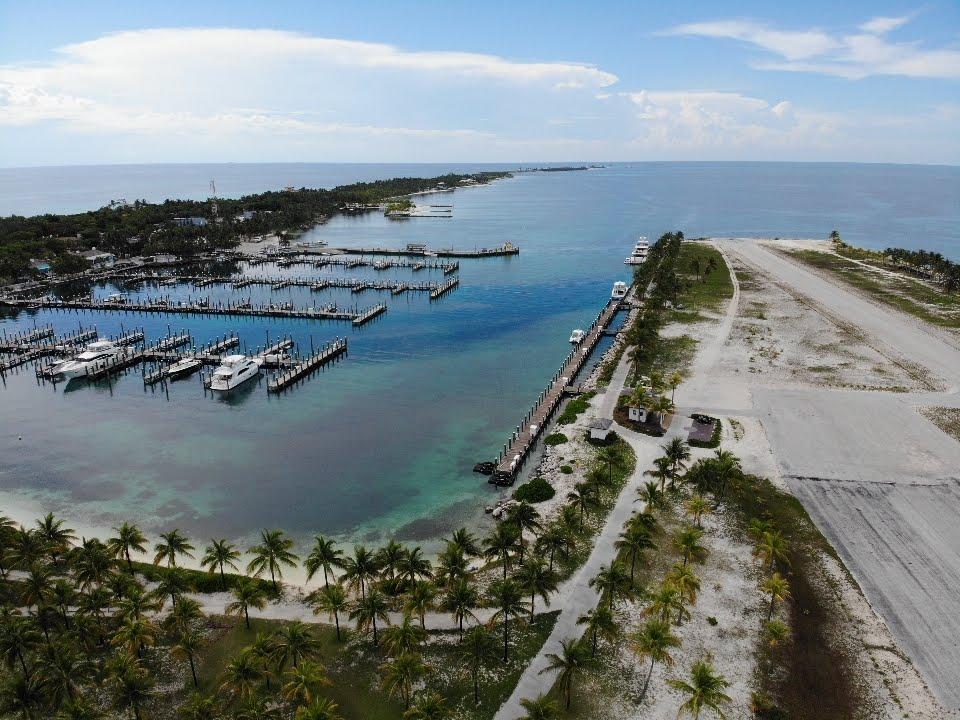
{"x":105,"y":82}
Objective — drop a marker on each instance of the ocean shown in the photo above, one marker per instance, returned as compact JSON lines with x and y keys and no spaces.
{"x":382,"y":443}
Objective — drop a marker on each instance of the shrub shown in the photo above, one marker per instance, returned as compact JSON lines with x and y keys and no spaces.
{"x":555,"y":439}
{"x":575,"y":407}
{"x":537,"y":490}
{"x":712,"y":620}
{"x":199,"y":580}
{"x":566,"y":469}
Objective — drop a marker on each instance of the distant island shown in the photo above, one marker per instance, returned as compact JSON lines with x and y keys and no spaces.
{"x":563,"y":168}
{"x":65,"y":244}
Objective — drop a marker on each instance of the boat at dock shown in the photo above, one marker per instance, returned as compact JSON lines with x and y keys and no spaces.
{"x":619,"y":291}
{"x":576,"y":337}
{"x":639,"y":254}
{"x":234,"y":371}
{"x":183,"y":368}
{"x":96,"y":354}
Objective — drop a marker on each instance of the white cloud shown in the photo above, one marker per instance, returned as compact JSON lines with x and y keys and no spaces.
{"x":856,"y":55}
{"x":198,"y":79}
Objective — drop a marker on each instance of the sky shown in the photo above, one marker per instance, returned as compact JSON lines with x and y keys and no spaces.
{"x":120,"y":82}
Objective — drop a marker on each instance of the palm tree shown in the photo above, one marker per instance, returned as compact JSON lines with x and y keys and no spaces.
{"x":199,"y":707}
{"x":135,"y":634}
{"x":651,"y":495}
{"x":62,"y":670}
{"x":654,"y":640}
{"x":428,"y":707}
{"x":726,"y":467}
{"x":247,"y":594}
{"x":322,"y":709}
{"x":21,"y":694}
{"x":634,"y":541}
{"x":172,"y":544}
{"x":685,"y":581}
{"x":18,"y":638}
{"x":660,"y":406}
{"x":129,"y":539}
{"x":401,"y":674}
{"x":137,"y":603}
{"x":599,"y":623}
{"x":678,"y":452}
{"x":542,"y":708}
{"x":674,"y":382}
{"x":662,"y":472}
{"x":242,"y":676}
{"x":537,"y":579}
{"x":569,"y":661}
{"x":264,"y":650}
{"x":555,"y":539}
{"x":294,"y":642}
{"x":610,"y":457}
{"x":506,"y":597}
{"x":331,"y":599}
{"x":466,"y":542}
{"x":173,"y":583}
{"x":36,"y":586}
{"x":388,"y":557}
{"x":403,"y":638}
{"x":688,"y":543}
{"x":772,"y":548}
{"x":696,"y":507}
{"x":582,"y":497}
{"x":360,"y":569}
{"x":131,"y":690}
{"x":420,"y":599}
{"x":188,"y":643}
{"x":705,"y":690}
{"x":26,"y":548}
{"x":504,"y":540}
{"x":478,"y":645}
{"x":776,"y":633}
{"x":82,"y":709}
{"x":611,"y":579}
{"x":778,"y":588}
{"x":220,"y":553}
{"x":459,"y":599}
{"x":92,"y":563}
{"x":452,"y":565}
{"x":273,"y":553}
{"x":413,"y":567}
{"x":304,"y":683}
{"x":664,"y":600}
{"x":324,"y":556}
{"x":55,"y":537}
{"x":368,"y":610}
{"x":527,"y":519}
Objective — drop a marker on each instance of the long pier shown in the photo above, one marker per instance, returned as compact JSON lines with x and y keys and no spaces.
{"x":444,"y":289}
{"x":504,"y":250}
{"x":352,"y":284}
{"x":370,"y":314}
{"x":517,"y":449}
{"x":284,"y":379}
{"x":205,"y":307}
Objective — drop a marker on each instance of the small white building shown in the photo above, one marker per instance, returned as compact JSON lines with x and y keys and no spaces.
{"x":190,"y":221}
{"x":637,"y":414}
{"x":165,"y":259}
{"x":98,"y":258}
{"x":600,"y":428}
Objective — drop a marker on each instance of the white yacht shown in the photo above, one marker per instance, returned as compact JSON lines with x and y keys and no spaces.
{"x":576,"y":337}
{"x":639,"y":254}
{"x":234,"y":370}
{"x":95,"y":354}
{"x":619,"y":291}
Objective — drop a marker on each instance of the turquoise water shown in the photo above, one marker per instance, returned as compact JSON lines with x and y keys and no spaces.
{"x":383,"y":442}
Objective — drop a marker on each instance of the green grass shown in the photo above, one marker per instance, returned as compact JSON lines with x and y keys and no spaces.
{"x":670,"y":354}
{"x":200,"y":580}
{"x":556,"y":438}
{"x":712,"y":289}
{"x":574,"y":408}
{"x":352,"y":666}
{"x":902,"y":293}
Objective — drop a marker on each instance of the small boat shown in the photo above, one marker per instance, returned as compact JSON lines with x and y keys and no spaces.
{"x":183,"y":368}
{"x":115,"y":299}
{"x":639,"y":254}
{"x":619,"y":291}
{"x":95,"y":354}
{"x":576,"y":337}
{"x":234,"y":371}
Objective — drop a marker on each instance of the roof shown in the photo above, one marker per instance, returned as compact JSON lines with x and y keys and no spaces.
{"x":601,"y":424}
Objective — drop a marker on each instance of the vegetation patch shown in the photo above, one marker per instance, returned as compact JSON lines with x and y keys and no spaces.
{"x":709,"y":279}
{"x":557,"y":438}
{"x":535,"y":491}
{"x":945,"y":418}
{"x":577,"y":406}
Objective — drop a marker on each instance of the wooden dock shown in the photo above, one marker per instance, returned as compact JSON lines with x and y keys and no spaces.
{"x":505,"y":250}
{"x":517,"y":449}
{"x":442,"y":290}
{"x":370,"y":314}
{"x":285,"y":378}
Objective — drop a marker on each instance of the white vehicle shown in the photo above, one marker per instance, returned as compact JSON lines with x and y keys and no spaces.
{"x":576,"y":337}
{"x":182,"y":368}
{"x":619,"y":291}
{"x":639,"y":254}
{"x":234,"y":370}
{"x":96,"y":354}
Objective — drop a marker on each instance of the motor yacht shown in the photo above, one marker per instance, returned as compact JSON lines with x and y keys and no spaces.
{"x":94,"y":355}
{"x":619,"y":291}
{"x":639,"y":254}
{"x":576,"y":337}
{"x":234,"y":371}
{"x":183,"y":368}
